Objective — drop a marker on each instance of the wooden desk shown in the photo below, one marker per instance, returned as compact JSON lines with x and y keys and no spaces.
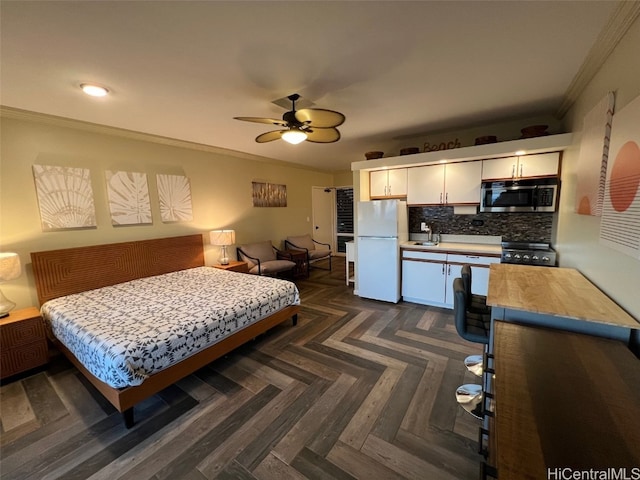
{"x":563,"y":400}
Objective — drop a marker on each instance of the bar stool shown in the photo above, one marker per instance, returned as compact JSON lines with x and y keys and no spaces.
{"x":476,"y":304}
{"x":474,"y":327}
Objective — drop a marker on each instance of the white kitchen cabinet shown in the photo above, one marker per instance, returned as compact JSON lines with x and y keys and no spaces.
{"x":538,"y":165}
{"x":423,"y":276}
{"x":388,"y":183}
{"x":452,"y":183}
{"x":427,"y":277}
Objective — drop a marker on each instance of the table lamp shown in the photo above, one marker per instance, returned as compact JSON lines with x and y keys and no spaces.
{"x":10,"y":269}
{"x":223,"y":238}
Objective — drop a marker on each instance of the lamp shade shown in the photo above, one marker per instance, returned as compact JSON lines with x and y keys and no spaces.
{"x":222,"y":237}
{"x":10,"y":268}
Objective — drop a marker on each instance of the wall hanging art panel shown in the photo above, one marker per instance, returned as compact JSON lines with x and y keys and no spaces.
{"x":128,"y":198}
{"x":269,"y":195}
{"x":592,"y":162}
{"x":65,"y":197}
{"x":174,"y":192}
{"x":620,"y":223}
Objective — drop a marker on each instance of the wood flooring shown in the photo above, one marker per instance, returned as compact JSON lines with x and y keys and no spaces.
{"x":359,"y":389}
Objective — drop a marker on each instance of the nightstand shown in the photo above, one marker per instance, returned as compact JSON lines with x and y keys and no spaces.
{"x":23,"y":342}
{"x":233,"y":266}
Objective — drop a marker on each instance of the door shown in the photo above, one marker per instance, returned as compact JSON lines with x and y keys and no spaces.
{"x":378,"y":218}
{"x":378,"y":268}
{"x":397,"y":182}
{"x":499,"y":168}
{"x":426,"y":185}
{"x":463,"y":182}
{"x":323,"y":213}
{"x":378,"y":182}
{"x":539,"y":165}
{"x":423,"y":282}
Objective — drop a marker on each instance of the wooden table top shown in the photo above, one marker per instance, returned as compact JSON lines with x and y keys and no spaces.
{"x":561,"y":292}
{"x":563,"y":400}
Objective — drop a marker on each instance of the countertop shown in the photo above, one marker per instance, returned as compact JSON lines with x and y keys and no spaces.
{"x":455,"y":247}
{"x":559,"y":292}
{"x":563,"y":400}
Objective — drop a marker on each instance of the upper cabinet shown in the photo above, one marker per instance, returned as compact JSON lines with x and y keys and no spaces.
{"x":539,"y":165}
{"x":442,"y":184}
{"x":388,"y":183}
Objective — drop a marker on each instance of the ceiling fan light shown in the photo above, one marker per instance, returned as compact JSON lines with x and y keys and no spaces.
{"x":294,"y":136}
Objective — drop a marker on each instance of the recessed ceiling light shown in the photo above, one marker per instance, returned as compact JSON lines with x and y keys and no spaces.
{"x":94,"y":90}
{"x":520,"y":152}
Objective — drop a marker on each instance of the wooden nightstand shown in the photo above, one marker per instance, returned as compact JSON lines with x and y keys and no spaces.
{"x":234,"y":266}
{"x":23,"y":342}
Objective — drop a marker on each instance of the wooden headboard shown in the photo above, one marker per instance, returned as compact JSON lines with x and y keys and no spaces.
{"x":73,"y":270}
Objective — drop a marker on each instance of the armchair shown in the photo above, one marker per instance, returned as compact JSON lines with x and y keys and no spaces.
{"x":264,"y":259}
{"x":309,"y":245}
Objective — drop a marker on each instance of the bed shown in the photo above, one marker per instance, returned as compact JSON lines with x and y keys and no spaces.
{"x":136,"y":317}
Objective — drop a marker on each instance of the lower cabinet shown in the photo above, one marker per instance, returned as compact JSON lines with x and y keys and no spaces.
{"x":427,"y":277}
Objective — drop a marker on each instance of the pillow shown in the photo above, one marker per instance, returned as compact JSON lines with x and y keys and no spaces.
{"x":303,"y":241}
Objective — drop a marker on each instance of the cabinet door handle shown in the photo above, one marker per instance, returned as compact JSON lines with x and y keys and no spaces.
{"x":448,"y":270}
{"x":440,"y":197}
{"x":443,"y":268}
{"x":446,"y":198}
{"x":389,"y":189}
{"x":521,"y":170}
{"x":513,"y":170}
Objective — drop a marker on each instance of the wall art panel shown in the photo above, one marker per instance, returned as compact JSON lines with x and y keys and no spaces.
{"x":128,"y":198}
{"x":592,"y":162}
{"x":174,"y":192}
{"x":269,"y":195}
{"x":65,"y":197}
{"x":620,"y":224}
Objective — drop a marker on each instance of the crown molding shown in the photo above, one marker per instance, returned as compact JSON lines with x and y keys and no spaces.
{"x":46,"y":119}
{"x":625,"y":13}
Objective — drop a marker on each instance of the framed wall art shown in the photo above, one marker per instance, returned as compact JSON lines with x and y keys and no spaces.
{"x":128,"y":194}
{"x":269,"y":195}
{"x":65,"y":197}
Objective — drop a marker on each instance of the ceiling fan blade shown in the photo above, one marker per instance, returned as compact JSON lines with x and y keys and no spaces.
{"x":319,"y":117}
{"x":269,"y":136}
{"x":271,"y":121}
{"x":322,"y":135}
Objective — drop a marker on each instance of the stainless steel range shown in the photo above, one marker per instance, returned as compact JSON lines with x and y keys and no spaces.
{"x":528,"y":253}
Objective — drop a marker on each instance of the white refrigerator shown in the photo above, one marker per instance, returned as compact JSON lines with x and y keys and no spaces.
{"x":381,"y":226}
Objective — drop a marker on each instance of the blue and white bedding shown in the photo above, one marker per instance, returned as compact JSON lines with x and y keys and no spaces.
{"x":126,"y":332}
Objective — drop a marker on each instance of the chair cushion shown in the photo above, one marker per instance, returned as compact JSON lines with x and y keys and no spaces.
{"x":303,"y":241}
{"x":318,"y":254}
{"x":273,"y":266}
{"x":262,"y":250}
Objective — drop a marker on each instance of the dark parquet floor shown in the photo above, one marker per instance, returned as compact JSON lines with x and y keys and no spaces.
{"x":358,"y":390}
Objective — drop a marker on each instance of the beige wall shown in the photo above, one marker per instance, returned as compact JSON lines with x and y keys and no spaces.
{"x":220,"y":188}
{"x":578,"y":235}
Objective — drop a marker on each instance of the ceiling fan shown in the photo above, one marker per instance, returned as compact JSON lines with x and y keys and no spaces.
{"x":315,"y":125}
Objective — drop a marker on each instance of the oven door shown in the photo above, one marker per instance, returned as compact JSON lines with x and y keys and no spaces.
{"x":498,"y":197}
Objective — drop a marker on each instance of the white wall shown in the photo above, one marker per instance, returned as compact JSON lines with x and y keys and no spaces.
{"x":616,"y":274}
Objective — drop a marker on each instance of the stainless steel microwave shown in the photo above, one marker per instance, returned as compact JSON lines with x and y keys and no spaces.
{"x":525,"y":195}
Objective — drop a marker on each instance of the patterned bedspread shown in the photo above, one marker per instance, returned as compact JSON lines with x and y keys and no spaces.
{"x":125,"y":332}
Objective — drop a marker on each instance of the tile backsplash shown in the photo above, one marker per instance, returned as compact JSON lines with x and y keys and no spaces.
{"x":513,"y":227}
